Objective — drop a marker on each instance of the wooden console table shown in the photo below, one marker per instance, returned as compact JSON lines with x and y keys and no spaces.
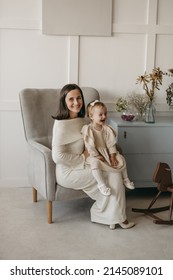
{"x":144,"y":145}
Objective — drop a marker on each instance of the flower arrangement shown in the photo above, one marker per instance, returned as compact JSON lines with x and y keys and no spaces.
{"x":151,"y":81}
{"x":169,"y":92}
{"x":133,"y":102}
{"x":121,"y":104}
{"x":138,"y":102}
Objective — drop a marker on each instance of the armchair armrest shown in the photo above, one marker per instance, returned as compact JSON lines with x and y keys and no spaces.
{"x":41,"y":169}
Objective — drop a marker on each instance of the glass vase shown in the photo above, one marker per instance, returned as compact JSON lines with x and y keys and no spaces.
{"x":150,"y":112}
{"x":140,"y":115}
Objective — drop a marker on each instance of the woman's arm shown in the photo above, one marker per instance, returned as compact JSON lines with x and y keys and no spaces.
{"x":67,"y":145}
{"x":61,"y":156}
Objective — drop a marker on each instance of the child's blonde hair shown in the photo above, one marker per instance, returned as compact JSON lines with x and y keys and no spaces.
{"x":94,"y":104}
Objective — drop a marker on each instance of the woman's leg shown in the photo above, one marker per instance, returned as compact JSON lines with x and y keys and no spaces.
{"x":112,"y":209}
{"x":106,"y":209}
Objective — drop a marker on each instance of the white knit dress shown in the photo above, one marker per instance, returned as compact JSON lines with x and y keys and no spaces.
{"x":73,"y":172}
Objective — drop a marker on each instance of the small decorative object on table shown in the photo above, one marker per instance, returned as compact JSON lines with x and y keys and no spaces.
{"x":122,"y":106}
{"x":138,"y":102}
{"x":126,"y":116}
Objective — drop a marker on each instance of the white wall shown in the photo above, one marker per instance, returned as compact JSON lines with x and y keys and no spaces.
{"x":142,"y":38}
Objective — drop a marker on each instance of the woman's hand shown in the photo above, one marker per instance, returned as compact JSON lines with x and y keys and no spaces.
{"x":86,"y":154}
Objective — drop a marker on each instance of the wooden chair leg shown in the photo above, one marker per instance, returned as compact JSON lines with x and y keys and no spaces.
{"x":34,"y":194}
{"x":49,"y":211}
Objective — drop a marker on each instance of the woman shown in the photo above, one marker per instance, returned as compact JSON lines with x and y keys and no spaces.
{"x":72,"y":172}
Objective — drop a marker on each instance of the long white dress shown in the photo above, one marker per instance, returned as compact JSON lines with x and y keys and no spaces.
{"x":73,"y":172}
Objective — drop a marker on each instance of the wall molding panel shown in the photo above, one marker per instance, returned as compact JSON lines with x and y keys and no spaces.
{"x":20,"y":24}
{"x":141,"y":38}
{"x":73,"y":59}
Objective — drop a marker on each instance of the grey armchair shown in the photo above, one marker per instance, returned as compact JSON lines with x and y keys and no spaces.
{"x":37,"y":106}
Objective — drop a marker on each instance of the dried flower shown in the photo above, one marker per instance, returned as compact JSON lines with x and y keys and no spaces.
{"x":151,"y":81}
{"x":139,"y":102}
{"x":171,"y":71}
{"x":169,"y":91}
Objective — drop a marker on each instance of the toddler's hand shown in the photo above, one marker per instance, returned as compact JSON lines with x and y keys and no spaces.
{"x":114,"y":161}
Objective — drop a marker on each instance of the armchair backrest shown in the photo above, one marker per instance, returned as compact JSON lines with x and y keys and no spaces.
{"x":37,"y":107}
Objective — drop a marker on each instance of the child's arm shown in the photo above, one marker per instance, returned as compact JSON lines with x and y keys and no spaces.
{"x":88,"y":138}
{"x":111,"y":140}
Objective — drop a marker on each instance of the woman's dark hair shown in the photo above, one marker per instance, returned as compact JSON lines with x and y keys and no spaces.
{"x":63,"y":112}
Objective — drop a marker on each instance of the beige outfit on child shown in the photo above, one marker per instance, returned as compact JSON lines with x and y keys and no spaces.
{"x":102,"y":142}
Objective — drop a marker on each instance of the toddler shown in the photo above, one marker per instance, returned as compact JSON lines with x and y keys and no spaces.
{"x":100,"y":142}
